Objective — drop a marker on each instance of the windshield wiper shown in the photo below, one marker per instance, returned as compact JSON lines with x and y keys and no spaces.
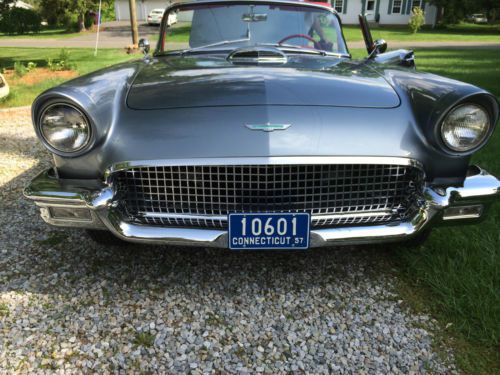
{"x":302,"y":49}
{"x":222,"y":43}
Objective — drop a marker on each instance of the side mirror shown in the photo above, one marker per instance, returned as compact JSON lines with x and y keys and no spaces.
{"x":372,"y":47}
{"x":144,"y":46}
{"x":380,"y":45}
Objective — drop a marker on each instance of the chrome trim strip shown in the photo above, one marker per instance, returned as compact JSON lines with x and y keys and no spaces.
{"x":381,"y":160}
{"x":224,"y":217}
{"x":353,"y":215}
{"x":159,"y":215}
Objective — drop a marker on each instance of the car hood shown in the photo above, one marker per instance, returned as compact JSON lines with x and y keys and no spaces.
{"x":212,"y":81}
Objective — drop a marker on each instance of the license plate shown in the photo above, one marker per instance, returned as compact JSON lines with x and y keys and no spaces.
{"x":269,"y":231}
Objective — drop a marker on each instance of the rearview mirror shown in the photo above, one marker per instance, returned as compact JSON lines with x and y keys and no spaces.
{"x":144,"y":46}
{"x":254,"y":17}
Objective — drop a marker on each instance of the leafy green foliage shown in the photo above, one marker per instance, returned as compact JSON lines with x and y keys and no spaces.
{"x":74,"y":14}
{"x":417,"y":19}
{"x":20,"y":69}
{"x":456,"y":10}
{"x":30,"y":66}
{"x":20,"y":21}
{"x":62,"y":63}
{"x":83,"y":61}
{"x":5,"y":7}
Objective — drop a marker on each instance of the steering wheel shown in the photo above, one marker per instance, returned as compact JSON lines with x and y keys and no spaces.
{"x":297,"y":36}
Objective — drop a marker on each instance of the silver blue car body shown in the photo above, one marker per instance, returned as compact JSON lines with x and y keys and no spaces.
{"x":181,"y":139}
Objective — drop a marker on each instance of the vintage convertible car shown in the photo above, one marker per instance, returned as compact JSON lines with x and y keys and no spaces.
{"x":263,"y":133}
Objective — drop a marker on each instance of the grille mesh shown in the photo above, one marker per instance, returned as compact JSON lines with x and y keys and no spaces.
{"x":346,"y":193}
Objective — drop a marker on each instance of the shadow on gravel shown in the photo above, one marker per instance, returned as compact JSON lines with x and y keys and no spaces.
{"x":70,"y":258}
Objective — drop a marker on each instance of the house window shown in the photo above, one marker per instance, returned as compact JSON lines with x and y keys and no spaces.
{"x":370,"y":5}
{"x":416,"y":3}
{"x":338,"y":5}
{"x":396,"y":6}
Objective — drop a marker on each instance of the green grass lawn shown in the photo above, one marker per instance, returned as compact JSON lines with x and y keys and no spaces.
{"x":44,"y":34}
{"x":82,"y":57}
{"x":459,"y":267}
{"x":459,"y":33}
{"x":455,"y":275}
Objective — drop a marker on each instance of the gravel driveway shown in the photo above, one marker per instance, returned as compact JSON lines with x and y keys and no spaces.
{"x":68,"y":305}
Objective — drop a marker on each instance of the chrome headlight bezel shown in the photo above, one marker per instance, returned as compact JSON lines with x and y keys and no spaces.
{"x":40,"y":131}
{"x":450,"y":149}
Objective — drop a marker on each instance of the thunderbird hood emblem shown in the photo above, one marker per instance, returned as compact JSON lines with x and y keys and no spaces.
{"x":268,"y":127}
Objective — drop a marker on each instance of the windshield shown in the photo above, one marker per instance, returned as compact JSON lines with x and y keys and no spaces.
{"x":209,"y":26}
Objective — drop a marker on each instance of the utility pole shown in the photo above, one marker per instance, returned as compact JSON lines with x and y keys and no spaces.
{"x":133,"y":23}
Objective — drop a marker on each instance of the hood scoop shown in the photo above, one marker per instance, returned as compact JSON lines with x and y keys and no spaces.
{"x":257,"y":56}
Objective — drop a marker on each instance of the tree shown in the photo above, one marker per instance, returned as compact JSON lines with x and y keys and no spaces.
{"x":453,"y":11}
{"x":80,"y":8}
{"x":417,"y":19}
{"x":5,"y":6}
{"x":490,"y":7}
{"x":56,"y":12}
{"x":67,"y":12}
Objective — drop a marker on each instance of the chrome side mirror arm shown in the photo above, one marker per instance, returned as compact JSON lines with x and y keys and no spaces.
{"x":144,"y":46}
{"x":379,"y":47}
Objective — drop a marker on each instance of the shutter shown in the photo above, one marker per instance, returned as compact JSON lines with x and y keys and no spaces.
{"x":363,"y":6}
{"x":408,"y":8}
{"x":344,"y":7}
{"x":389,"y":10}
{"x":403,"y":7}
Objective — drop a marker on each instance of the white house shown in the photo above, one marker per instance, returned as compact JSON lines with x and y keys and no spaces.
{"x":384,"y":12}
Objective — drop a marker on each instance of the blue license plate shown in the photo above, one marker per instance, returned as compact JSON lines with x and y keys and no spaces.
{"x":269,"y":231}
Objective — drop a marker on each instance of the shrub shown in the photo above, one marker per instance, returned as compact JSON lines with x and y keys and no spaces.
{"x":30,"y":66}
{"x":20,"y":21}
{"x":62,"y":63}
{"x":417,"y":19}
{"x":20,"y":69}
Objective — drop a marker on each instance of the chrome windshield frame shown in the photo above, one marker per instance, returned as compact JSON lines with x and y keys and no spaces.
{"x":175,"y":6}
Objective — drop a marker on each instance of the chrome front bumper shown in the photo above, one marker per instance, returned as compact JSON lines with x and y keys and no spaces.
{"x":94,"y":209}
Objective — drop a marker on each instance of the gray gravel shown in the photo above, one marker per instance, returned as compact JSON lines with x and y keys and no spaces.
{"x":68,"y":305}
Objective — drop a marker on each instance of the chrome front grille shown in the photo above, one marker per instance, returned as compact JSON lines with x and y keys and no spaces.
{"x":203,"y":195}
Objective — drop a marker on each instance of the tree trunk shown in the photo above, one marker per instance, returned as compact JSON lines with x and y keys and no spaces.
{"x":439,"y":16}
{"x":133,"y":24}
{"x":81,"y":22}
{"x":493,"y":16}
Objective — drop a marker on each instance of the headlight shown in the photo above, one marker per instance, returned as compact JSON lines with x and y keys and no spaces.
{"x":465,"y":127}
{"x":65,"y":128}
